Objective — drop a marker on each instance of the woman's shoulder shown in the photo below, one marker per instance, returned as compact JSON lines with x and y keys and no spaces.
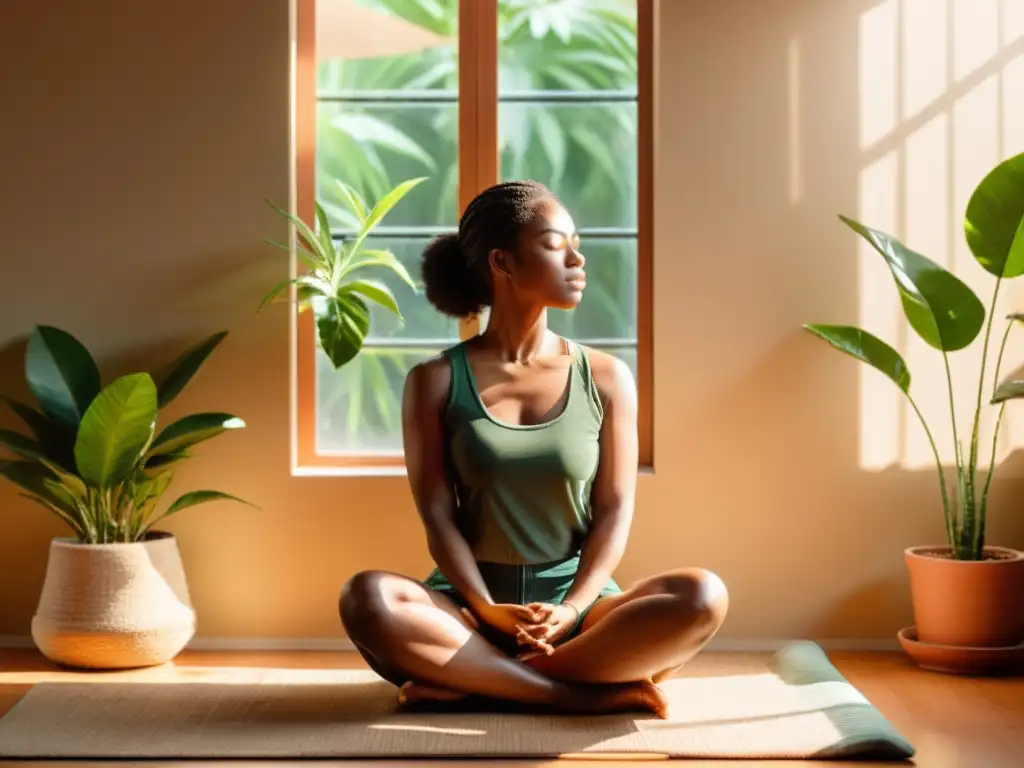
{"x":429,"y":381}
{"x":613,"y":378}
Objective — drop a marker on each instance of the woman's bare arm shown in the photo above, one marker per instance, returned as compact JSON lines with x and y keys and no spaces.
{"x":426,"y":389}
{"x":614,"y":492}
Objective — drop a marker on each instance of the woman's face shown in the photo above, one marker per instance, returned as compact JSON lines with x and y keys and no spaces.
{"x":547,"y":267}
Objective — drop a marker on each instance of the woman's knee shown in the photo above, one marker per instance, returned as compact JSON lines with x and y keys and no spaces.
{"x":702,"y":594}
{"x":363,"y":601}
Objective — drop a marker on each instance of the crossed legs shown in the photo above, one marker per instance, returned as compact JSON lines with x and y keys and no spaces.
{"x":407,"y":632}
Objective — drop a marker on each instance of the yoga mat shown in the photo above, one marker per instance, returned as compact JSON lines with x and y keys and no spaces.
{"x":794,"y":705}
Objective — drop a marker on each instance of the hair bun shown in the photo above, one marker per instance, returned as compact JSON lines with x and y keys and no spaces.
{"x":452,"y":285}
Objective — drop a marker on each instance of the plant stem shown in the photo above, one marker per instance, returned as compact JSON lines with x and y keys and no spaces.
{"x":942,"y":476}
{"x":979,"y":542}
{"x":972,"y":520}
{"x":963,"y":501}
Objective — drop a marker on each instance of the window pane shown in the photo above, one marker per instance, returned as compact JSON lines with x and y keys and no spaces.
{"x":374,"y":147}
{"x":567,"y":46}
{"x":422,"y":321}
{"x":386,"y":45}
{"x":586,"y":153}
{"x":608,"y":309}
{"x":358,"y":408}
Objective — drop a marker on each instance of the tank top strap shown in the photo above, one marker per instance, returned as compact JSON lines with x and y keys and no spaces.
{"x":586,"y":378}
{"x":460,"y":391}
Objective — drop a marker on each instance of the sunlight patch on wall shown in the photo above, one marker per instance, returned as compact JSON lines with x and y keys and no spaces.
{"x":882,"y":404}
{"x":877,"y":72}
{"x":975,"y":34}
{"x":1012,"y":21}
{"x":924,"y":52}
{"x":922,"y":161}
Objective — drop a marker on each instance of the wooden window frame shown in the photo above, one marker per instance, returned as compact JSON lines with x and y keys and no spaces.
{"x":478,"y":169}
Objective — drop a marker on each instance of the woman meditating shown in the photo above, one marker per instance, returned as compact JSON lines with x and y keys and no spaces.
{"x":521,"y":451}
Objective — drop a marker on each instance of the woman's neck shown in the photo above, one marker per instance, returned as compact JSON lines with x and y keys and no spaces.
{"x":517,"y":334}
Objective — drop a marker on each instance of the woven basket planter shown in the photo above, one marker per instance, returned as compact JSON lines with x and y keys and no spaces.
{"x":114,"y":606}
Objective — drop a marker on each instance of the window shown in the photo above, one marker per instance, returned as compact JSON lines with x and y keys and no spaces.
{"x":468,"y":94}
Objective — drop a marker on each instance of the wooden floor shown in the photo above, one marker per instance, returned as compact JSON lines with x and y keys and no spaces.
{"x":953,"y":722}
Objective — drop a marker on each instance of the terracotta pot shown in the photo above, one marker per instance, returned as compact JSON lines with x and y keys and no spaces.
{"x":967,"y":603}
{"x":114,"y":606}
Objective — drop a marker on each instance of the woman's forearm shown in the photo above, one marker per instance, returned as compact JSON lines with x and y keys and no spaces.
{"x":599,"y":557}
{"x":455,"y":560}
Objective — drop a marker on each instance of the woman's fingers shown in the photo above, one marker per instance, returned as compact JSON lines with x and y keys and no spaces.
{"x":525,"y":638}
{"x":534,"y":612}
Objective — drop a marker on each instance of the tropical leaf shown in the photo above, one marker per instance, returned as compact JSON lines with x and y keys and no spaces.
{"x":21,"y":445}
{"x":367,"y":128}
{"x":312,"y":241}
{"x":375,"y":291}
{"x":378,"y":258}
{"x":165,"y":460}
{"x":382,"y":207}
{"x":116,"y":429}
{"x":1011,"y":389}
{"x":942,"y":309}
{"x":185,"y":367}
{"x":994,"y":221}
{"x":867,"y":348}
{"x":34,"y":478}
{"x":190,"y":430}
{"x":193,"y":498}
{"x":352,"y":200}
{"x":342,"y":328}
{"x":61,"y":373}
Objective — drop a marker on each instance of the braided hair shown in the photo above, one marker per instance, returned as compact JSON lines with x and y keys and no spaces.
{"x":456,"y":269}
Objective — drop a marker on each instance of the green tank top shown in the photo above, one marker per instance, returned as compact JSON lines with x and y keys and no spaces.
{"x":523,"y":491}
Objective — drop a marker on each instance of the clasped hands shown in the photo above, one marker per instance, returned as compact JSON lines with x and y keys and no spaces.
{"x":536,"y":626}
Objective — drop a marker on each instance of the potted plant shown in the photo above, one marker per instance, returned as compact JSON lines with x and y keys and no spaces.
{"x":332,"y":287}
{"x":115,"y":593}
{"x":967,"y":592}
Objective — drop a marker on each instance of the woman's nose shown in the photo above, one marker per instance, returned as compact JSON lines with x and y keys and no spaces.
{"x":576,"y":259}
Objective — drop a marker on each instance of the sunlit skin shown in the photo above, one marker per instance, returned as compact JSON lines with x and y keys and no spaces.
{"x":422,"y":641}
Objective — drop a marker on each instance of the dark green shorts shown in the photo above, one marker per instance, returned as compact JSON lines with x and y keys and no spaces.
{"x":522,"y":584}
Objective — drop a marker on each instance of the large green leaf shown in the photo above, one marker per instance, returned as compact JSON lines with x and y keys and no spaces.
{"x":342,"y":328}
{"x":193,"y":498}
{"x":61,"y":374}
{"x":994,"y":221}
{"x":867,"y":348}
{"x":185,"y":367}
{"x":942,"y":309}
{"x":116,"y":429}
{"x":375,"y":291}
{"x":188,"y":431}
{"x":376,"y":258}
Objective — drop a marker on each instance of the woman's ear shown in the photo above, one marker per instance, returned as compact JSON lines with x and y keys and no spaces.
{"x":499,"y":261}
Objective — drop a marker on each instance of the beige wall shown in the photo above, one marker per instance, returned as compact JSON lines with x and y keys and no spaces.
{"x":139,"y":141}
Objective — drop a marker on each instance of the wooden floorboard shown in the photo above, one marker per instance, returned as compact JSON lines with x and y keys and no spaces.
{"x":954,"y":722}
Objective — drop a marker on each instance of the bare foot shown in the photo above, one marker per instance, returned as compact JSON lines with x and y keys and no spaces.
{"x":643,"y":696}
{"x":413,"y":692}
